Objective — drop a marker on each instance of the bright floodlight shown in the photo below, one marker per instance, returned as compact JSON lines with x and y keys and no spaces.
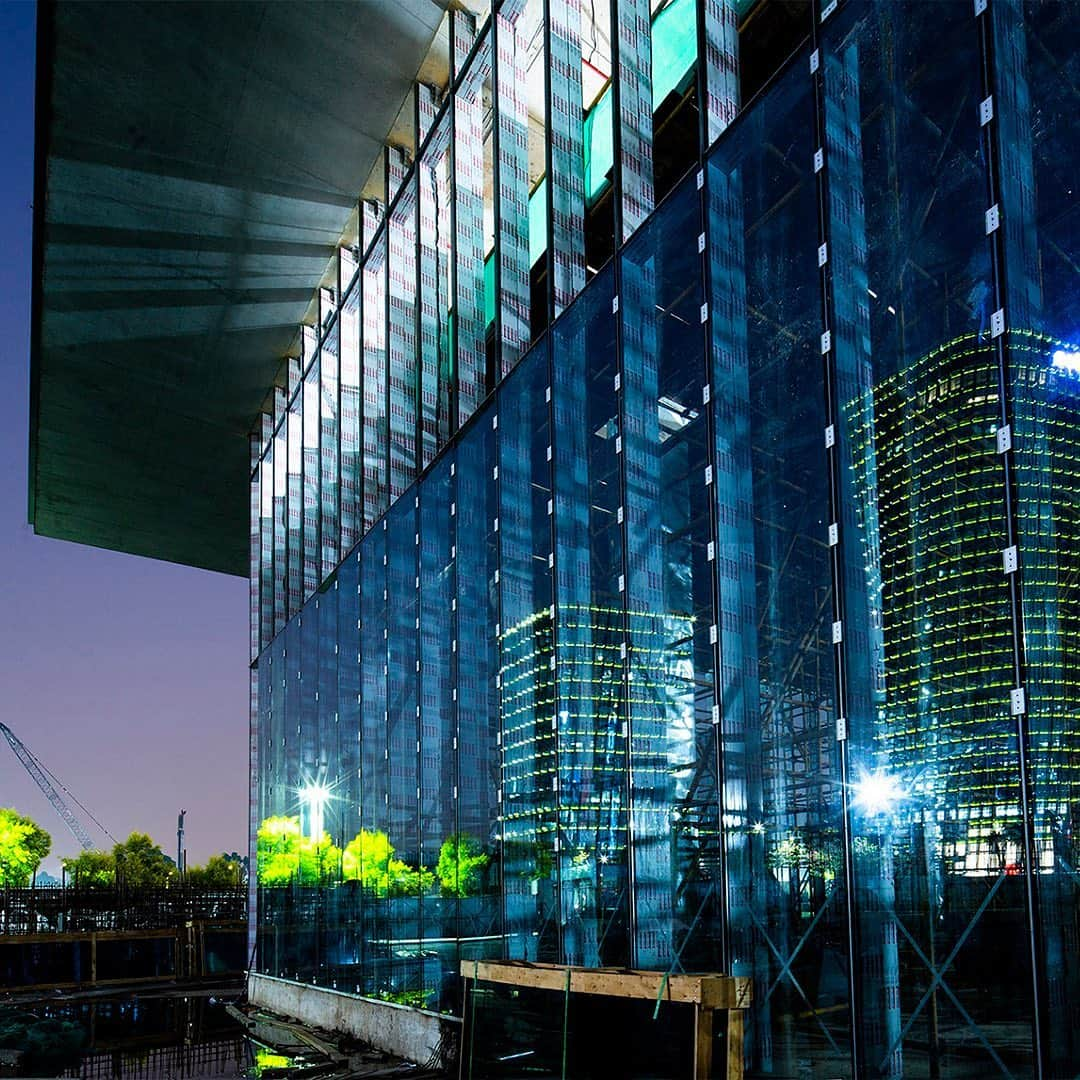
{"x":315,"y":794}
{"x":877,"y":793}
{"x":1067,"y":361}
{"x":315,"y":797}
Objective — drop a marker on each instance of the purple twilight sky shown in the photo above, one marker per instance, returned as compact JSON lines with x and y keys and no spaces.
{"x":126,"y":676}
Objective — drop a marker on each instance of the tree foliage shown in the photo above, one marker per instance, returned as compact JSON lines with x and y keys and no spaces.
{"x":285,"y":855}
{"x":369,"y":858}
{"x":136,"y":863}
{"x":92,"y":869}
{"x":141,"y":863}
{"x":461,"y":863}
{"x":220,"y":871}
{"x":23,"y":844}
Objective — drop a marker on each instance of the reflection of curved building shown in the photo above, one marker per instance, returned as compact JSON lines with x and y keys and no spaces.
{"x":581,"y":739}
{"x":925,"y":462}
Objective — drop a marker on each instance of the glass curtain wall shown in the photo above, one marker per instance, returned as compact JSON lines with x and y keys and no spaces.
{"x":734,"y":629}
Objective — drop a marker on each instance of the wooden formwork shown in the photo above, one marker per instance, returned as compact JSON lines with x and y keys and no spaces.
{"x":718,"y":1000}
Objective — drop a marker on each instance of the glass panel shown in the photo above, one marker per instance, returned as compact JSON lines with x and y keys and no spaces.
{"x":634,"y":129}
{"x":323,"y":794}
{"x":329,"y":454}
{"x":266,"y":517}
{"x":436,"y":346}
{"x":281,"y":500}
{"x":674,"y":812}
{"x":294,"y":580}
{"x":438,"y":780}
{"x":783,"y":800}
{"x":402,"y":340}
{"x":470,"y":320}
{"x":566,"y":152}
{"x":1037,"y":93}
{"x":309,"y":406}
{"x":527,"y":704}
{"x":926,"y":620}
{"x":347,"y":780}
{"x":404,"y":885}
{"x":721,"y":66}
{"x":512,"y":182}
{"x":351,"y":424}
{"x":254,"y":548}
{"x":589,"y":631}
{"x":364,"y":863}
{"x":376,"y":435}
{"x":476,"y":874}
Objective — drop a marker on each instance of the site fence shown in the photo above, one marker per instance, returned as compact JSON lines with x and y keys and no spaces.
{"x":68,"y":910}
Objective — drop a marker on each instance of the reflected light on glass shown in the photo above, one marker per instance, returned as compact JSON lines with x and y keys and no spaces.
{"x":315,"y":797}
{"x":1066,"y":360}
{"x":877,"y":793}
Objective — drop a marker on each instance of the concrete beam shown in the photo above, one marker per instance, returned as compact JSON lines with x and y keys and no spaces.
{"x":414,"y":1034}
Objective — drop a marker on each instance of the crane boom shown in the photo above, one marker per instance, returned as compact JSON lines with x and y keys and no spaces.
{"x":37,"y":772}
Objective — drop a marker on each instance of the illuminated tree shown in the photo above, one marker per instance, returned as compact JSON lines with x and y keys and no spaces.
{"x":23,"y":844}
{"x":461,"y":862}
{"x":369,"y":859}
{"x":284,"y":855}
{"x":141,"y":863}
{"x":220,"y":871}
{"x":366,"y":859}
{"x":92,"y":869}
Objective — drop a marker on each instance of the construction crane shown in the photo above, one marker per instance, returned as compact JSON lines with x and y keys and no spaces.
{"x":48,"y":783}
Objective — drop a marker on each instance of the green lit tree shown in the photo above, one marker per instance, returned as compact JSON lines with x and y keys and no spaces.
{"x":285,"y":855}
{"x":219,"y":872}
{"x":369,"y":859}
{"x":92,"y":869}
{"x":461,"y":862}
{"x":23,"y":844}
{"x":140,"y":863}
{"x":366,"y":858}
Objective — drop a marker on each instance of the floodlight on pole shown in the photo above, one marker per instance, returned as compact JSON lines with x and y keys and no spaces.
{"x":315,"y":798}
{"x":877,"y":793}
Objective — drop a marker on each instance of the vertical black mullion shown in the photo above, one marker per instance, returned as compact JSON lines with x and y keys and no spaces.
{"x":714,"y":538}
{"x":996,"y":239}
{"x":418,"y":292}
{"x":387,"y":390}
{"x":454,"y":669}
{"x":496,"y":482}
{"x":418,"y":673}
{"x":360,"y":527}
{"x":833,"y":467}
{"x":553,"y":571}
{"x":339,"y":544}
{"x":385,"y":730}
{"x":627,"y":711}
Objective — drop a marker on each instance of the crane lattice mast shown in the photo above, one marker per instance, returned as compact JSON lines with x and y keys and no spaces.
{"x":43,"y":778}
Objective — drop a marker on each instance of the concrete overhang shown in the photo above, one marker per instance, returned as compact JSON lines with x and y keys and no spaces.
{"x":196,"y":165}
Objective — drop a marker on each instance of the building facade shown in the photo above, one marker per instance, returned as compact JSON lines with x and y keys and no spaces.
{"x":662,"y":549}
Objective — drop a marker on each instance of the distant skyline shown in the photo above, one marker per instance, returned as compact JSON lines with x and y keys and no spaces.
{"x":127,"y":677}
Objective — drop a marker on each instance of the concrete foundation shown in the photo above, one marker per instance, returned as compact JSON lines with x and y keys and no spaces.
{"x":414,"y":1034}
